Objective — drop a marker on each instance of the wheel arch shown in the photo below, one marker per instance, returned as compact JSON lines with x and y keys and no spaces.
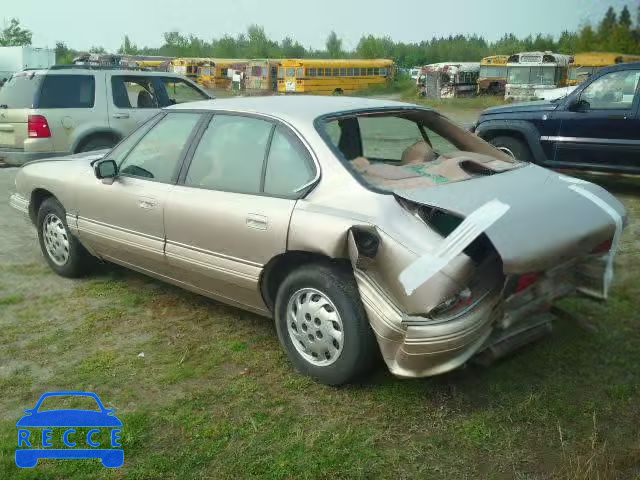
{"x":519,"y":129}
{"x":88,"y":135}
{"x":38,"y":195}
{"x":277,"y":269}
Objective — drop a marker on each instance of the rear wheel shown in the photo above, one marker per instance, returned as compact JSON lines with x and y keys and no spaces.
{"x":512,"y":146}
{"x":322,"y":325}
{"x":338,"y":91}
{"x":63,"y":252}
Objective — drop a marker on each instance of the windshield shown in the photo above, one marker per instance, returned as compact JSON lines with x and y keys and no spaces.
{"x":415,"y":149}
{"x":20,"y":91}
{"x":487,"y":71}
{"x":521,"y":75}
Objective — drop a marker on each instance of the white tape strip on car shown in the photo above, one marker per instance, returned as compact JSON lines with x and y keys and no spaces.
{"x":429,"y":264}
{"x":608,"y":273}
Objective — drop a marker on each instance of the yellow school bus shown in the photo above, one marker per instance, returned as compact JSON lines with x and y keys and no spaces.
{"x":220,"y":71}
{"x":493,"y":75}
{"x":327,"y":77}
{"x":262,"y":74}
{"x":586,"y":64}
{"x":189,"y":66}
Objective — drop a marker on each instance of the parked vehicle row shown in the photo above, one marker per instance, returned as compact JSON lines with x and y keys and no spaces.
{"x":522,"y":76}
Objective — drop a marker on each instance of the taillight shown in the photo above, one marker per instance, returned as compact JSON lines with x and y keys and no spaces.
{"x":38,"y":127}
{"x":604,"y":247}
{"x":526,"y":280}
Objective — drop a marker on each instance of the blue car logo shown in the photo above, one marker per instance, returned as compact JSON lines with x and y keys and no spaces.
{"x":30,"y":439}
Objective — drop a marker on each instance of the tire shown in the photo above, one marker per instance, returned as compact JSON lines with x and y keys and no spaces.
{"x":512,"y":146}
{"x":345,"y":346}
{"x":97,"y":143}
{"x":62,"y":251}
{"x":338,"y":91}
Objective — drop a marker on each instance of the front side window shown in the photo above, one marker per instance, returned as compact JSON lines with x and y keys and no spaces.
{"x":181,"y":91}
{"x":157,"y":155}
{"x":230,"y":155}
{"x":122,"y":149}
{"x":67,"y":91}
{"x":411,"y":150}
{"x":613,"y":91}
{"x":288,"y":165}
{"x":131,"y":91}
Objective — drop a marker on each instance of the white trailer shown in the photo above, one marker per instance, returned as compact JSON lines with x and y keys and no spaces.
{"x":16,"y":59}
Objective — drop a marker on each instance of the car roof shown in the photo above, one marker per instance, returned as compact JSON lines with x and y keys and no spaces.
{"x":305,"y":108}
{"x":620,"y":66}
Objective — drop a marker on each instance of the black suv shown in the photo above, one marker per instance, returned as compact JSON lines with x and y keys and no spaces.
{"x":596,"y":127}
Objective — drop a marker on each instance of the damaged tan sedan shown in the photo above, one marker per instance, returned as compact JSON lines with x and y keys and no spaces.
{"x":362,"y":226}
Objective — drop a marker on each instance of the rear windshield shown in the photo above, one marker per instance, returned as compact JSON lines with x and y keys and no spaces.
{"x":67,"y":91}
{"x":20,"y":91}
{"x":411,"y":149}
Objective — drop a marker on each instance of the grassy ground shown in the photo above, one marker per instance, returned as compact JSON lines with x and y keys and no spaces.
{"x":214,"y":396}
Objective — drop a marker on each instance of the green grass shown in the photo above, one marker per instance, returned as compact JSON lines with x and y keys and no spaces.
{"x":215,"y":397}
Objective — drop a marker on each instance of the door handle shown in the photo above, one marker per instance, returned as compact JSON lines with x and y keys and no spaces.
{"x":120,"y":115}
{"x":258,"y":222}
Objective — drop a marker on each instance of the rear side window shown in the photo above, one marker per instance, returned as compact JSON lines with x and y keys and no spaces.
{"x":20,"y":91}
{"x":288,"y":165}
{"x":67,"y":91}
{"x":230,"y":155}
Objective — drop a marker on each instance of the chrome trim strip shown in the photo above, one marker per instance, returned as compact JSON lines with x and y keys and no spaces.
{"x":120,"y":240}
{"x":118,"y":228}
{"x":211,"y":266}
{"x":213,"y":254}
{"x":20,"y":203}
{"x":606,"y":141}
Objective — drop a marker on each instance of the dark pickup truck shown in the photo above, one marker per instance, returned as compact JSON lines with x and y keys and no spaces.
{"x":596,"y":127}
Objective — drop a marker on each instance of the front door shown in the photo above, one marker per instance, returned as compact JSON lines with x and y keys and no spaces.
{"x":132,"y":100}
{"x":604,"y":133}
{"x":123,"y":221}
{"x":229,"y":214}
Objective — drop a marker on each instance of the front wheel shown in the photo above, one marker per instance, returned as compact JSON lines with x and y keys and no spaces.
{"x":513,"y":147}
{"x":322,"y":325}
{"x":63,"y":252}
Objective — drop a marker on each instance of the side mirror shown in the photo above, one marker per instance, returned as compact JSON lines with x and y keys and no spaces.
{"x":578,"y":105}
{"x":105,"y":169}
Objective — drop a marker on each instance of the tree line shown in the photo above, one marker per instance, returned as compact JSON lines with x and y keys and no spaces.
{"x":616,"y":32}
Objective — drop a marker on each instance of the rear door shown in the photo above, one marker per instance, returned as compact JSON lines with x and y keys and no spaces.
{"x":229,"y":214}
{"x":132,"y":100}
{"x":605,"y":135}
{"x":17,"y":97}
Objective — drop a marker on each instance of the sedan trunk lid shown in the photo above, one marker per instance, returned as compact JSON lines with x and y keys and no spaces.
{"x":547,"y":223}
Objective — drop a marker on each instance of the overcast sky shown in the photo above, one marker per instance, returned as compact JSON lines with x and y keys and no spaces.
{"x":85,"y":23}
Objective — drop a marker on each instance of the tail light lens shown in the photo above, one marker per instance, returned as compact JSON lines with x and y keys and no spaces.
{"x":38,"y":127}
{"x":604,"y":247}
{"x":526,"y":280}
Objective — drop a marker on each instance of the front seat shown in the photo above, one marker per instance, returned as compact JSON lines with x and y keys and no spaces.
{"x":145,"y":100}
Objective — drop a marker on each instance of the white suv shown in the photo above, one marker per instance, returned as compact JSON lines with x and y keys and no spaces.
{"x":59,"y":111}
